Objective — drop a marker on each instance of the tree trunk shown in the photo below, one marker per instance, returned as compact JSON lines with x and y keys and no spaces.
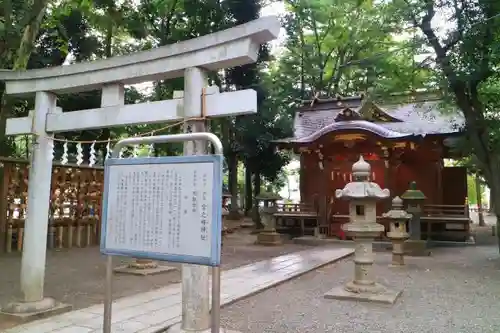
{"x":23,"y":54}
{"x":248,"y":191}
{"x":491,"y":208}
{"x":497,"y":214}
{"x":21,"y":58}
{"x":232,"y":162}
{"x":493,"y":177}
{"x":256,"y":190}
{"x":479,"y":199}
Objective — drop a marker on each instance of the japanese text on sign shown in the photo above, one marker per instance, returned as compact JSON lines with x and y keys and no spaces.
{"x":160,"y":208}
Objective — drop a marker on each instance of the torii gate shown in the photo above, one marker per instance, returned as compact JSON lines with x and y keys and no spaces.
{"x":232,"y":47}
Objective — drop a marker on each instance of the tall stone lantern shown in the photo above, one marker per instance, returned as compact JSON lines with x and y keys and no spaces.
{"x":413,"y":200}
{"x":363,"y":196}
{"x":268,"y":236}
{"x":397,"y":231}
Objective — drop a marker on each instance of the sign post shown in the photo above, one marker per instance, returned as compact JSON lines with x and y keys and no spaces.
{"x":164,"y":208}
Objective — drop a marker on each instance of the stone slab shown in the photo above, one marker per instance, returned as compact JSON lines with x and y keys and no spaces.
{"x":415,"y":248}
{"x":125,"y":269}
{"x":153,"y":311}
{"x":177,"y":329}
{"x":269,"y":238}
{"x":388,"y":297}
{"x":26,"y":317}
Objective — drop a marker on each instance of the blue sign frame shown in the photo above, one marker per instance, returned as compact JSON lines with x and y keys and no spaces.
{"x":216,"y":227}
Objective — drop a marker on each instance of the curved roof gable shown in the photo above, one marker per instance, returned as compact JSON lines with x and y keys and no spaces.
{"x":358,"y":125}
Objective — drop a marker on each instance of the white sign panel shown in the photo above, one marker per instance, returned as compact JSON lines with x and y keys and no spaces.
{"x":166,"y":208}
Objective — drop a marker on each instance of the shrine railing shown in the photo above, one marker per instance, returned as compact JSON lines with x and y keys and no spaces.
{"x":295,"y":207}
{"x":75,"y":200}
{"x":438,"y":222}
{"x":446,"y":210}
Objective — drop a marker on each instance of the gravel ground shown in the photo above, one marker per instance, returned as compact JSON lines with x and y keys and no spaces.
{"x":76,"y":276}
{"x":457,"y":290}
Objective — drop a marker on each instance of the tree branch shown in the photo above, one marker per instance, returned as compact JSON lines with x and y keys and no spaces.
{"x":441,"y":53}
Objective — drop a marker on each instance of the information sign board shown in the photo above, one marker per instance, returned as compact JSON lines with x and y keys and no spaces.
{"x":165,"y":208}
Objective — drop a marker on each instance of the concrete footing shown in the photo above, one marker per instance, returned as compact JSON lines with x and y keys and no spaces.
{"x":143,"y":268}
{"x":416,"y":248}
{"x":269,"y":238}
{"x":379,"y":294}
{"x":28,"y":311}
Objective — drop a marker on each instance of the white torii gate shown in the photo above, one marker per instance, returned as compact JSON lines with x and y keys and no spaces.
{"x":191,"y":59}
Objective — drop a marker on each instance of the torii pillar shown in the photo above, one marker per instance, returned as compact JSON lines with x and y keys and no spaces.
{"x":228,"y":48}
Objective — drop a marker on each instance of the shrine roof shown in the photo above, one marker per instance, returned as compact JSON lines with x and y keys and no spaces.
{"x":392,"y":121}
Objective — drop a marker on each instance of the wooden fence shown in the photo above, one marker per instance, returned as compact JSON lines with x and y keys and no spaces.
{"x":75,"y":205}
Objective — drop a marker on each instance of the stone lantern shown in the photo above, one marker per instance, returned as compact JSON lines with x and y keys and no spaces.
{"x":363,"y":195}
{"x":268,"y":236}
{"x":397,"y":231}
{"x":414,"y":199}
{"x":225,"y":197}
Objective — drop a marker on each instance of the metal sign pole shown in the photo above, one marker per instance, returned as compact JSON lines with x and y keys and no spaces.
{"x":215,"y":299}
{"x":108,"y":297}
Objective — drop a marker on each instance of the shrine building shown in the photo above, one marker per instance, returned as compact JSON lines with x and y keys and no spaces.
{"x":403,"y":142}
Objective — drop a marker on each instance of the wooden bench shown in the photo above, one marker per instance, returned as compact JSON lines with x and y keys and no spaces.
{"x":337,"y":220}
{"x":297,"y":220}
{"x":446,"y":222}
{"x":438,"y":222}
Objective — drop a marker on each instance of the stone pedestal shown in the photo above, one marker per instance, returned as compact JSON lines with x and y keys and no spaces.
{"x":143,"y":267}
{"x":414,"y":199}
{"x":268,"y":236}
{"x":29,"y":311}
{"x":364,"y":287}
{"x":416,"y":248}
{"x":398,"y":251}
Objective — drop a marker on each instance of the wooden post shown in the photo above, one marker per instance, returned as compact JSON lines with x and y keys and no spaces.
{"x":479,"y":199}
{"x":440,"y":181}
{"x":387,"y":175}
{"x":4,"y":204}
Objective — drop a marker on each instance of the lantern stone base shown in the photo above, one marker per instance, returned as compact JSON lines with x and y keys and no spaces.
{"x":375,"y":293}
{"x":21,"y":312}
{"x":177,"y":329}
{"x":398,"y":249}
{"x":143,"y":267}
{"x":416,"y":248}
{"x":269,"y":237}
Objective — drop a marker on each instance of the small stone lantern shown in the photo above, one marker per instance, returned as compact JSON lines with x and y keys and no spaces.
{"x":414,"y":199}
{"x":397,"y":231}
{"x":363,"y":195}
{"x":268,"y":236}
{"x":225,"y":197}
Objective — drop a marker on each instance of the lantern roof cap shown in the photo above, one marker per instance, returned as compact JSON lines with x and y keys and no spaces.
{"x":362,"y":190}
{"x":397,"y":212}
{"x":412,"y":193}
{"x":361,"y":167}
{"x":361,"y":187}
{"x":397,"y":202}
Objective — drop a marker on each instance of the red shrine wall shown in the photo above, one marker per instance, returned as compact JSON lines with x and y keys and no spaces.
{"x":316,"y":183}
